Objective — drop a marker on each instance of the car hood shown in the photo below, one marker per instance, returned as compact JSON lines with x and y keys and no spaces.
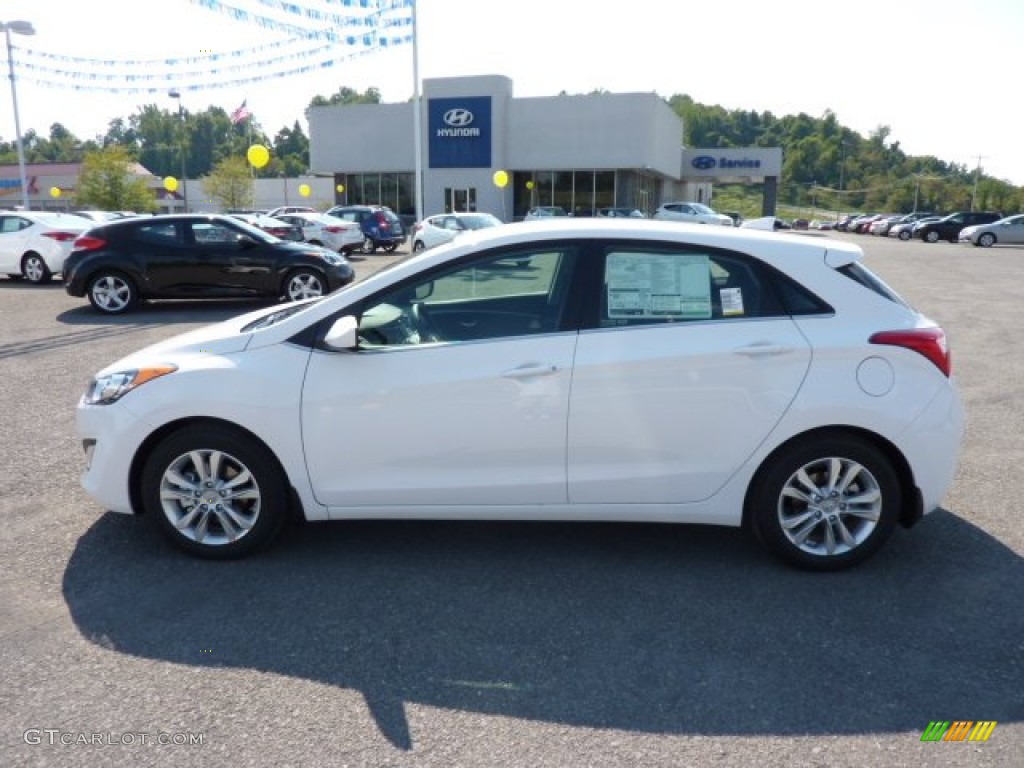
{"x":222,"y":338}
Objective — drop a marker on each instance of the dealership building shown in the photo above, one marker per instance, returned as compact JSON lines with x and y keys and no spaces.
{"x":581,"y":152}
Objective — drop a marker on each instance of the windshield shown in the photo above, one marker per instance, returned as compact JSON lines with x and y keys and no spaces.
{"x":254,"y":232}
{"x":480,"y":221}
{"x":275,"y":317}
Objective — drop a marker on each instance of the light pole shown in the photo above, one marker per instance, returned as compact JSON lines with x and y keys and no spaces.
{"x":19,"y":28}
{"x":842,"y":173}
{"x":174,"y":93}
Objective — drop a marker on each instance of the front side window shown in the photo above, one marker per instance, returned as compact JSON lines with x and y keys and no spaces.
{"x":644,"y":286}
{"x":500,"y":295}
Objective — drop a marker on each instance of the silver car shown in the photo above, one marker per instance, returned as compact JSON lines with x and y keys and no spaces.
{"x":1008,"y":231}
{"x":695,"y":213}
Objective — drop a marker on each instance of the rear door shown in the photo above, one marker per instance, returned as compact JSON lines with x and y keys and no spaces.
{"x":685,"y":365}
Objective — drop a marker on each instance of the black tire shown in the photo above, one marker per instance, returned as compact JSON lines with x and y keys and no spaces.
{"x":390,"y":247}
{"x":369,"y":246}
{"x":931,"y":236}
{"x":34,"y":269}
{"x":112,"y":293}
{"x":304,"y":284}
{"x":904,"y":235}
{"x":418,"y":246}
{"x":817,"y":521}
{"x":228,"y":518}
{"x":986,"y":240}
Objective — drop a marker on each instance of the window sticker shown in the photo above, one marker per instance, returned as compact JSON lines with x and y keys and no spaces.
{"x":642,"y":286}
{"x":732,"y":301}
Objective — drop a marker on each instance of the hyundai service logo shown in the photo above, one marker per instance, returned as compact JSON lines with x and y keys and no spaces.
{"x":459,"y":121}
{"x":704,"y":162}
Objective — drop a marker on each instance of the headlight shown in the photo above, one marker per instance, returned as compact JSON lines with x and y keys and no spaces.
{"x":333,"y":258}
{"x":111,"y":387}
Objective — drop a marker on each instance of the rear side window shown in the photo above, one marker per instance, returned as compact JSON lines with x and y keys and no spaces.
{"x":861,"y":274}
{"x":163,"y":233}
{"x":644,"y":286}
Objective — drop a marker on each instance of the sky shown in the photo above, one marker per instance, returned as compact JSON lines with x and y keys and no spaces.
{"x":942,"y":75}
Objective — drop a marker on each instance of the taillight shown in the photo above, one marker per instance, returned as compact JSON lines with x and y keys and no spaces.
{"x":334,"y":230}
{"x":88,"y":243}
{"x":382,"y":222}
{"x":61,"y":237}
{"x":930,"y":342}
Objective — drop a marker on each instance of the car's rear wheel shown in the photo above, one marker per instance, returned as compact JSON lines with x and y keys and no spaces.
{"x":112,"y":293}
{"x":34,"y":269}
{"x":390,"y":247}
{"x":418,"y":246}
{"x":931,"y":236}
{"x":304,"y":284}
{"x":214,"y":491}
{"x":369,"y":246}
{"x":986,"y":240}
{"x":825,"y":504}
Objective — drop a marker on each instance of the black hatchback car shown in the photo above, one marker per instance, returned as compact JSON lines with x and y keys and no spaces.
{"x":381,"y":226}
{"x":190,"y":256}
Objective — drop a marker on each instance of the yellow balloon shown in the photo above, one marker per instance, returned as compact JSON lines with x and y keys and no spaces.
{"x":529,"y":185}
{"x":304,"y":190}
{"x":54,"y":191}
{"x":340,"y":187}
{"x":170,"y":184}
{"x":500,"y":178}
{"x":258,"y":155}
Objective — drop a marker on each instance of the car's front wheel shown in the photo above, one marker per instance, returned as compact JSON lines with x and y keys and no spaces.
{"x":825,"y":504}
{"x":112,"y":293}
{"x":986,"y":240}
{"x":214,"y":491}
{"x":904,"y":235}
{"x":34,"y":269}
{"x":304,"y":284}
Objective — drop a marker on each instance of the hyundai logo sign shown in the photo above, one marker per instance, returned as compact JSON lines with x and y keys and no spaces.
{"x":458,"y":117}
{"x":458,"y":121}
{"x":704,"y":162}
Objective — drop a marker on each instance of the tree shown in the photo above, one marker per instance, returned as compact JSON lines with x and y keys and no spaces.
{"x":231,"y":183}
{"x":346,"y":95}
{"x":108,"y":181}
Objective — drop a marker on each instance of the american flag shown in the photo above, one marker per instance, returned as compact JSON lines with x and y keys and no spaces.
{"x":240,"y":114}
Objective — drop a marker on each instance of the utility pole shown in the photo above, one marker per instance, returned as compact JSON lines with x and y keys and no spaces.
{"x":977,"y":173}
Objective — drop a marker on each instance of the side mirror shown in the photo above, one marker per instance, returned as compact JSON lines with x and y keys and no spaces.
{"x":342,"y":335}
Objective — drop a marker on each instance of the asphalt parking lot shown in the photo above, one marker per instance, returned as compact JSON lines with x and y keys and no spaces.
{"x":505,"y":644}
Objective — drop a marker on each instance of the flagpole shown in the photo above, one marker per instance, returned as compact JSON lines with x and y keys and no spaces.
{"x":416,"y":114}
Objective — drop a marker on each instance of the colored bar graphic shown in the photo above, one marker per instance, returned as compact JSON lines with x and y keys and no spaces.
{"x":958,"y":730}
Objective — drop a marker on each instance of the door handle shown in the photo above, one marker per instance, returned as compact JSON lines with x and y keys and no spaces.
{"x":529,"y":370}
{"x":763,"y":349}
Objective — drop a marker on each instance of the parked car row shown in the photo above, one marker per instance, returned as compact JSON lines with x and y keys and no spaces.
{"x":931,"y":228}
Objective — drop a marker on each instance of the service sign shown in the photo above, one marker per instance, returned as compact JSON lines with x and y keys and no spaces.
{"x":747,"y":162}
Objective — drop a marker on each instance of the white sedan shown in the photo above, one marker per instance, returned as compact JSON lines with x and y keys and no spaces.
{"x":693,"y":213}
{"x":329,"y":231}
{"x":34,"y":244}
{"x":445,"y":227}
{"x":634,"y":371}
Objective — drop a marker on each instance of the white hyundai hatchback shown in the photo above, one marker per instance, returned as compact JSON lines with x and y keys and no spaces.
{"x":619,"y":370}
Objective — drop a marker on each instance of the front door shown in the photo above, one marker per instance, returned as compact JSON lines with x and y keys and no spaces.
{"x":460,"y":200}
{"x":457,"y":396}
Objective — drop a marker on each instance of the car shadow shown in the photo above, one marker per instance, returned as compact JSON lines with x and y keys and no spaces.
{"x":650,"y":628}
{"x":166,"y":312}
